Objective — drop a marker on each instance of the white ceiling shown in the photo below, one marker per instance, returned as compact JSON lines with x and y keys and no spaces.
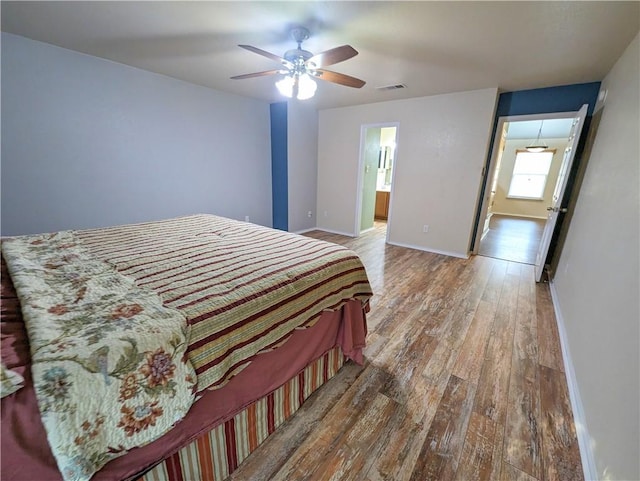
{"x":431,"y":47}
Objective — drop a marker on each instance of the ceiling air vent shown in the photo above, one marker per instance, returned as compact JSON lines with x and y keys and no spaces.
{"x":392,"y":87}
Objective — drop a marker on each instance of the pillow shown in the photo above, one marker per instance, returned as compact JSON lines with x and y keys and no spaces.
{"x":10,"y":381}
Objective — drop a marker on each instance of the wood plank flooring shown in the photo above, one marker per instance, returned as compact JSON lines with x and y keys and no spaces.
{"x":512,"y":238}
{"x":463,"y":380}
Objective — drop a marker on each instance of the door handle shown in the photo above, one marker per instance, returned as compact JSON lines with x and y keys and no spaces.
{"x":557,"y":209}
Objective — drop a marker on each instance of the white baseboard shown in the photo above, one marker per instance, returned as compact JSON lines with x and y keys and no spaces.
{"x":434,"y":251}
{"x":330,"y":231}
{"x":507,"y":214}
{"x":584,"y":440}
{"x":304,"y":231}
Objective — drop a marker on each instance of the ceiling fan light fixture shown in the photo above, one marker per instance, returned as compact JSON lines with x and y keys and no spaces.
{"x":306,"y":87}
{"x":285,"y":86}
{"x":536,"y":147}
{"x":303,"y":86}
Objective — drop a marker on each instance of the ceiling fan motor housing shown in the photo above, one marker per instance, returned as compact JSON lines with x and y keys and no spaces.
{"x":297,"y":55}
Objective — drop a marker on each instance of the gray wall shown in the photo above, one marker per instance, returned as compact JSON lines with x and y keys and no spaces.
{"x":88,"y":142}
{"x":302,"y":164}
{"x":441,"y":152}
{"x":597,"y":283}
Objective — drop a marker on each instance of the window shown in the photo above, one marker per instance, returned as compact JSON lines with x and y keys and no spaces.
{"x":530,"y":175}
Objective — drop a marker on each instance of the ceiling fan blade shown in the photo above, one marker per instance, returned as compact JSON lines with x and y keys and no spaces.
{"x":333,"y":56}
{"x":256,"y":74}
{"x":340,"y":78}
{"x":264,"y":53}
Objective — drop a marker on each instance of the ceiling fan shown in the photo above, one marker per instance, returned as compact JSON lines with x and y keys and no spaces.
{"x":299,"y":66}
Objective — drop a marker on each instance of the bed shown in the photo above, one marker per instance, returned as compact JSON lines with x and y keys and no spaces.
{"x":167,"y":350}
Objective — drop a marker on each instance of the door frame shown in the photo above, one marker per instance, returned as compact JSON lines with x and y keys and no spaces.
{"x":483,"y":205}
{"x":359,"y":182}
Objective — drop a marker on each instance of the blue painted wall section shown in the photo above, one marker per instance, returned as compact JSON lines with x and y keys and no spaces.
{"x":279,"y":155}
{"x":565,"y":98}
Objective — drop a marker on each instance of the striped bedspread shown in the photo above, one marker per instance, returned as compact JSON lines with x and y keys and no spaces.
{"x":243,"y":288}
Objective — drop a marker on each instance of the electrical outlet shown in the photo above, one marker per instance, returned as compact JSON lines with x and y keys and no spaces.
{"x":325,"y":213}
{"x":246,"y":218}
{"x":425,"y":228}
{"x":309,"y":214}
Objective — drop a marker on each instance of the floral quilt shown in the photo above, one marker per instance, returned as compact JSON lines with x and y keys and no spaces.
{"x":10,"y":381}
{"x":108,"y":358}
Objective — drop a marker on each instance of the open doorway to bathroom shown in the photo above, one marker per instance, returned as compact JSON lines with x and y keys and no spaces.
{"x":377,"y":164}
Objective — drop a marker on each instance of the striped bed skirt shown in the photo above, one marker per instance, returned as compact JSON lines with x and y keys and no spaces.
{"x":217,"y":453}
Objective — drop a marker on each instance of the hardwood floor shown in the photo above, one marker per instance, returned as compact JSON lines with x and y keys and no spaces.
{"x":463,"y":380}
{"x":512,"y":238}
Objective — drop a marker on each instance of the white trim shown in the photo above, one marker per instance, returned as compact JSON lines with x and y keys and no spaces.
{"x":331,"y":231}
{"x":394,"y":168}
{"x":540,"y":116}
{"x":510,"y":214}
{"x":584,"y":440}
{"x":359,"y":184}
{"x":434,"y":251}
{"x":483,"y":202}
{"x":366,"y":230}
{"x":304,"y":231}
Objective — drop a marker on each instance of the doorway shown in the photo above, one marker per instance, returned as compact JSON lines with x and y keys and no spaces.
{"x":522,"y":186}
{"x":378,"y":147}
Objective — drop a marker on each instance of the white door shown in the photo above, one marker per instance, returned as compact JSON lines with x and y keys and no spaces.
{"x":555,"y":208}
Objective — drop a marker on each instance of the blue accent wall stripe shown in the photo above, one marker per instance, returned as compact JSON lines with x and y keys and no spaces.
{"x":279,"y":156}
